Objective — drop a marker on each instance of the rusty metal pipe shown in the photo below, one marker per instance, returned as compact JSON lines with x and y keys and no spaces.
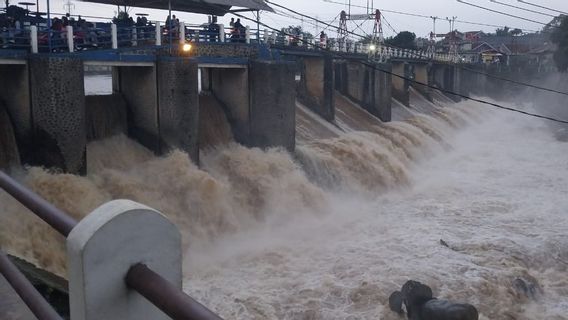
{"x":56,"y":218}
{"x":164,"y":295}
{"x":31,"y":297}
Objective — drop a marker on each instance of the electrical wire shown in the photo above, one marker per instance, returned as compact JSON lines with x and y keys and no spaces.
{"x":502,"y":13}
{"x":542,"y":7}
{"x":374,"y":67}
{"x":430,"y":17}
{"x":521,"y":8}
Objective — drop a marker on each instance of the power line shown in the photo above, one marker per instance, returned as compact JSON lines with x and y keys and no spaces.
{"x":542,"y":7}
{"x":521,"y":8}
{"x":500,"y":12}
{"x":458,"y":66}
{"x":374,"y":67}
{"x":430,"y":17}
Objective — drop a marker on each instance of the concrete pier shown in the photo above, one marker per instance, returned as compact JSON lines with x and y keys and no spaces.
{"x":423,"y":74}
{"x":58,"y":113}
{"x":15,"y":95}
{"x":137,"y":84}
{"x":178,"y":105}
{"x":260,"y":102}
{"x":369,"y":86}
{"x":316,"y":87}
{"x":400,"y":86}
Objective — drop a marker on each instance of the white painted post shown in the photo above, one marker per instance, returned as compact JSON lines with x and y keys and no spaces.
{"x":182,"y":32}
{"x":114,"y":36}
{"x":70,"y":43}
{"x":33,"y":39}
{"x":266,"y":35}
{"x":247,"y":34}
{"x":221,"y":33}
{"x":102,"y":248}
{"x":196,"y":35}
{"x":286,"y":40}
{"x":134,"y":37}
{"x":158,"y":34}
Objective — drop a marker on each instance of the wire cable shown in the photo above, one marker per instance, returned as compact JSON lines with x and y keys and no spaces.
{"x":542,"y":7}
{"x":502,"y":13}
{"x":521,"y":8}
{"x":374,"y":67}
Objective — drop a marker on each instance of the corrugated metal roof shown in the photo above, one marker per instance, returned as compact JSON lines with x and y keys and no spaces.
{"x":214,"y":7}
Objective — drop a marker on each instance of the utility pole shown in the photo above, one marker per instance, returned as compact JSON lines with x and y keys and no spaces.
{"x":432,"y":45}
{"x":67,"y":6}
{"x":453,"y":50}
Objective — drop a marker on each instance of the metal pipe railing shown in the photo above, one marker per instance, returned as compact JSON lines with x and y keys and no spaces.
{"x":31,"y":297}
{"x":160,"y":292}
{"x":164,"y":295}
{"x":56,"y":218}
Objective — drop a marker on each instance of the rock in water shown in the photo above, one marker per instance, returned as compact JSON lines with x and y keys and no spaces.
{"x":446,"y":310}
{"x":395,"y":302}
{"x":415,"y":294}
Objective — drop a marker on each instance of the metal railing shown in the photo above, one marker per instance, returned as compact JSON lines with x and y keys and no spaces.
{"x":157,"y":290}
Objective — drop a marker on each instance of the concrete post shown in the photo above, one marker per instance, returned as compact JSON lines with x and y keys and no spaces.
{"x":58,"y":113}
{"x":381,"y":105}
{"x":286,"y":40}
{"x":114,"y":36}
{"x":247,"y":34}
{"x":196,"y":36}
{"x":70,"y":43}
{"x":158,"y":34}
{"x":182,"y":32}
{"x":178,"y":105}
{"x":221,"y":33}
{"x":33,"y":39}
{"x":102,"y":248}
{"x":266,"y":35}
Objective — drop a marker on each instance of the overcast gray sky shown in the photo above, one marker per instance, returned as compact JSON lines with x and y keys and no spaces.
{"x":328,"y":11}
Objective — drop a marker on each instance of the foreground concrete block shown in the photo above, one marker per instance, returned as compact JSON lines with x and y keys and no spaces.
{"x":58,"y":113}
{"x":272,"y":104}
{"x":102,"y":248}
{"x":178,"y":105}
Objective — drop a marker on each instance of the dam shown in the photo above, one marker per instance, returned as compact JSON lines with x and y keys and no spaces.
{"x":303,"y":183}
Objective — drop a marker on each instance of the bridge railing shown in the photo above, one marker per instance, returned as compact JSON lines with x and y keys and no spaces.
{"x":124,"y":233}
{"x":15,"y":38}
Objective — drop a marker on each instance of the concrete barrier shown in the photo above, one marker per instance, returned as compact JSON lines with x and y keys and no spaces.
{"x":102,"y":248}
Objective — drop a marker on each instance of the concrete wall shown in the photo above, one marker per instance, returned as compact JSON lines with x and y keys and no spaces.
{"x":400,"y":86}
{"x":316,"y":87}
{"x":422,"y":74}
{"x":15,"y":93}
{"x":272,"y":104}
{"x":231,"y":88}
{"x":139,"y":88}
{"x":106,"y":116}
{"x":382,"y":93}
{"x":58,"y":113}
{"x":178,"y":105}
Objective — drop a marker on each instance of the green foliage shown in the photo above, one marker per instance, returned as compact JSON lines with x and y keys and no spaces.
{"x":559,"y":36}
{"x":405,"y":40}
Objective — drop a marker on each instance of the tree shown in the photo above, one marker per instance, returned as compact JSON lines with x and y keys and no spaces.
{"x":559,"y":36}
{"x":516,"y":32}
{"x":502,"y":32}
{"x":404,"y":39}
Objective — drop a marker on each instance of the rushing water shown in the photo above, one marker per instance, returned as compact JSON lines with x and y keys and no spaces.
{"x":330,"y":232}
